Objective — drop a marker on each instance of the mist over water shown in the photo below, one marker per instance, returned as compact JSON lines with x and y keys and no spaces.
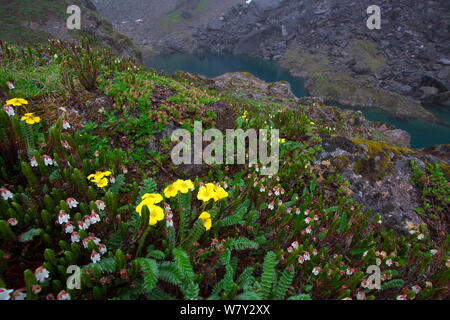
{"x":423,"y":133}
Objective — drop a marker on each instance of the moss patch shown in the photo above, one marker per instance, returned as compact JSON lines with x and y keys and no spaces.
{"x":379,"y":162}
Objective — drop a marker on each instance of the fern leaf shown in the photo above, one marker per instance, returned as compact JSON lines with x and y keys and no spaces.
{"x":268,"y":275}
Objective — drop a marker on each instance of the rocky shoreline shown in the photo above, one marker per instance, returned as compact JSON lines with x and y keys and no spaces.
{"x":395,"y":68}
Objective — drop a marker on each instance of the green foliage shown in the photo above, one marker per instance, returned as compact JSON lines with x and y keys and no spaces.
{"x":295,"y":235}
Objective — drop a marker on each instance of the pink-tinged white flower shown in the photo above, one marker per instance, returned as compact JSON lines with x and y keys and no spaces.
{"x":262,"y":188}
{"x":276,"y":191}
{"x":271,"y":205}
{"x":12,"y":222}
{"x":33,"y":162}
{"x":433,"y":251}
{"x":307,"y":255}
{"x":75,"y":237}
{"x":365,"y":253}
{"x":66,"y":125}
{"x":290,"y":249}
{"x":350,"y":271}
{"x":63,"y":217}
{"x":383,"y":254}
{"x":380,"y":222}
{"x":41,"y":274}
{"x":280,"y":202}
{"x":72,"y":203}
{"x":100,"y":205}
{"x":6,"y":194}
{"x":68,"y":227}
{"x":401,"y":297}
{"x":50,"y":297}
{"x":420,"y":236}
{"x":90,"y":238}
{"x":270,"y":194}
{"x":9,"y":110}
{"x":308,"y":230}
{"x":364,"y":283}
{"x":301,"y":259}
{"x":297,"y":211}
{"x":63,"y":295}
{"x":416,"y":289}
{"x":95,"y":256}
{"x":102,"y":248}
{"x":448,"y":263}
{"x":169,"y":222}
{"x":19,"y":294}
{"x":112,"y":179}
{"x":316,"y":217}
{"x":316,"y":270}
{"x":360,"y":296}
{"x":66,"y":145}
{"x":82,"y":225}
{"x":48,"y":161}
{"x":307,"y":211}
{"x":282,"y":191}
{"x":289,"y":210}
{"x":347,"y":298}
{"x":87,"y":220}
{"x":5,"y":294}
{"x":308,"y":220}
{"x":94,"y":217}
{"x":36,"y":289}
{"x":294,"y":244}
{"x":389,"y":262}
{"x":314,"y":252}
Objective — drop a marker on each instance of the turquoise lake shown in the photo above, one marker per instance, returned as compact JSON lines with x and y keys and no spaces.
{"x":423,"y":133}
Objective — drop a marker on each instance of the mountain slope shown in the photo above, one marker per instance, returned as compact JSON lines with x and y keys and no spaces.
{"x":27,"y":21}
{"x":328,"y":43}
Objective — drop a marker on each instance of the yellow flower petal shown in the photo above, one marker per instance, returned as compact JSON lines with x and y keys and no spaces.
{"x":170,"y":191}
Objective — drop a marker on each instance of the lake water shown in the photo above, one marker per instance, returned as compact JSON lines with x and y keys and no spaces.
{"x":423,"y":133}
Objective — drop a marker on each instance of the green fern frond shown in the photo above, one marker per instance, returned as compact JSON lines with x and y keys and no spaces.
{"x":151,"y":271}
{"x":242,"y":243}
{"x":268,"y":275}
{"x":285,"y":280}
{"x":182,"y":262}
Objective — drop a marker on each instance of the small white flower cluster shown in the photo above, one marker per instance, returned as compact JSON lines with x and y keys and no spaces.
{"x":48,"y":161}
{"x":84,"y":224}
{"x":6,"y":194}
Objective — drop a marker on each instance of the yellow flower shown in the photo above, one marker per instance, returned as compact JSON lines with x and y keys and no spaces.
{"x":16,"y":102}
{"x":207,"y":192}
{"x":30,"y":118}
{"x":206,"y":219}
{"x":244,"y":115}
{"x":99,"y":178}
{"x":152,"y":197}
{"x":102,"y":183}
{"x":171,"y":191}
{"x":220,"y":193}
{"x":312,"y":123}
{"x":184,"y":186}
{"x":282,"y":140}
{"x":156,"y":212}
